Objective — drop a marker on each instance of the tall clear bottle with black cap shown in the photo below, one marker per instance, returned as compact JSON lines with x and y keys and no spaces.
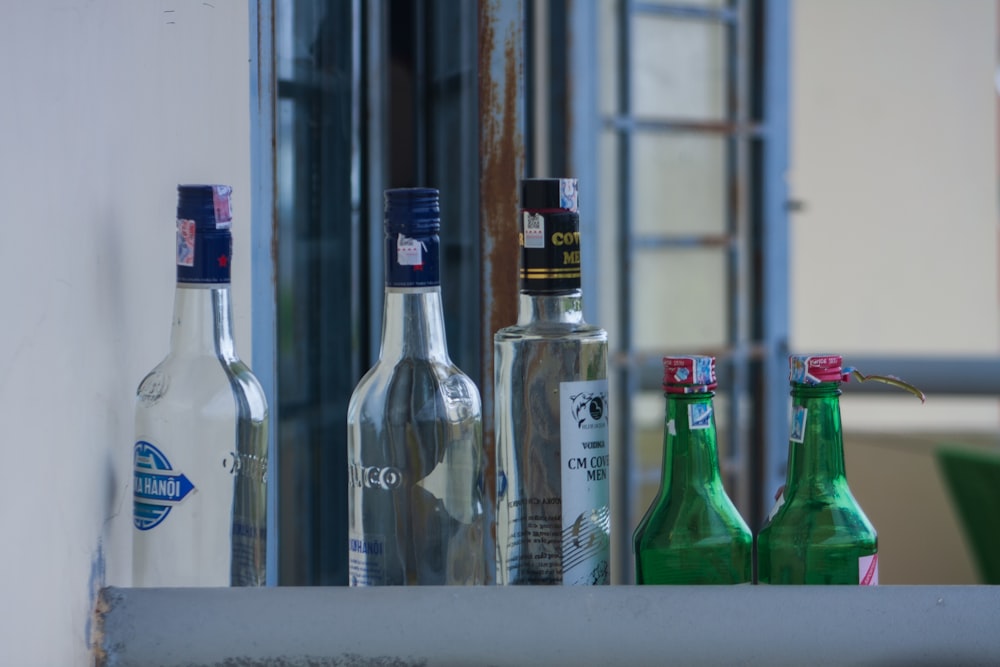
{"x":414,"y":426}
{"x":552,"y":448}
{"x":201,"y":420}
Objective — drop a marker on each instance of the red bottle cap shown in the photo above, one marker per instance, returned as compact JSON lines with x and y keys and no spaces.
{"x":689,"y":375}
{"x":816,"y":368}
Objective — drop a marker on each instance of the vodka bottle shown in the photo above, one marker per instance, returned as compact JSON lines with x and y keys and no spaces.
{"x":414,"y":426}
{"x":552,"y":450}
{"x":692,"y":533}
{"x":201,"y":419}
{"x":817,"y":533}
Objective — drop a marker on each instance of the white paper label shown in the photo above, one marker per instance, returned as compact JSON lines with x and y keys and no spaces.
{"x":409,"y":252}
{"x":586,"y":552}
{"x":534,"y":230}
{"x":366,"y":560}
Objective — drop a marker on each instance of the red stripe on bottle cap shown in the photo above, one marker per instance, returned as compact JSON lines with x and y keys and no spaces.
{"x":689,"y":375}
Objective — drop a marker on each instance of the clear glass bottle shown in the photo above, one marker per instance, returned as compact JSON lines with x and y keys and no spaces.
{"x":817,"y":532}
{"x":414,"y":434}
{"x":201,"y":420}
{"x":692,"y":533}
{"x":552,"y":448}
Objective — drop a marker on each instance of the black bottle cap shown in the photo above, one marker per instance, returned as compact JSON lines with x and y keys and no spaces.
{"x":549,"y":194}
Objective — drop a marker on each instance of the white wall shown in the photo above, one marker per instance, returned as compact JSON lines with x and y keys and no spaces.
{"x":104,"y":108}
{"x":894,"y":156}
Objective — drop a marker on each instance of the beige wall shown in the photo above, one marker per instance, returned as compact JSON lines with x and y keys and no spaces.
{"x":894,"y":159}
{"x":104,"y":108}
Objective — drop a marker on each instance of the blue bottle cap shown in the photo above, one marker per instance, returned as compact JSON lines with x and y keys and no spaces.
{"x":209,"y":206}
{"x":415,"y":211}
{"x":412,"y":246}
{"x":204,"y":240}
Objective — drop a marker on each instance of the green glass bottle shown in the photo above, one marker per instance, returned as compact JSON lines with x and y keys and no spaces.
{"x":692,"y":533}
{"x":817,"y":532}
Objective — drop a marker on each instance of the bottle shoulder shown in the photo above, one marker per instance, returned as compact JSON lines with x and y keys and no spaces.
{"x":830,"y":515}
{"x":695,"y":515}
{"x":551,"y":330}
{"x":412,"y":379}
{"x":202,"y":382}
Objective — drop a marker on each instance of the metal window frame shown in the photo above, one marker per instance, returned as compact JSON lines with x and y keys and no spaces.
{"x":753,"y":411}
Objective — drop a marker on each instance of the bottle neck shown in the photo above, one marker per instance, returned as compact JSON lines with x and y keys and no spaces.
{"x":413,"y":324}
{"x":560,"y":308}
{"x":690,"y":447}
{"x":202,"y":323}
{"x":816,"y":443}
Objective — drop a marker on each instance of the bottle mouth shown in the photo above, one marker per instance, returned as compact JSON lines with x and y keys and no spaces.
{"x":412,"y":211}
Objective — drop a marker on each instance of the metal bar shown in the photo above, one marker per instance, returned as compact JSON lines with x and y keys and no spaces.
{"x":745,"y":128}
{"x":650,"y":242}
{"x":376,"y":92}
{"x":501,"y":150}
{"x":649,"y":366}
{"x":558,"y":129}
{"x":956,"y":376}
{"x":420,"y":107}
{"x":697,"y":12}
{"x":774,"y":256}
{"x":738,"y":198}
{"x":528,"y":626}
{"x":264,"y":245}
{"x":536,"y":117}
{"x":626,"y":376}
{"x":583,"y":121}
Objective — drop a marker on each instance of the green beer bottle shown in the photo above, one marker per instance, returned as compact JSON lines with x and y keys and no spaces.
{"x":692,"y":533}
{"x":817,"y":533}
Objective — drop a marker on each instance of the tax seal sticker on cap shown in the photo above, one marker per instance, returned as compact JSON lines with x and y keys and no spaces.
{"x":814,"y":369}
{"x":689,"y":375}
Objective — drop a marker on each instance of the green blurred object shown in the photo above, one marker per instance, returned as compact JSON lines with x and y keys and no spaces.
{"x":973,"y":478}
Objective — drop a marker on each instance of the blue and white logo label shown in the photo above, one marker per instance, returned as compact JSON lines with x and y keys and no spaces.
{"x":157,"y":487}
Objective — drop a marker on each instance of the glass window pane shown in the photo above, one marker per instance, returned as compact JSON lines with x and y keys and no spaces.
{"x":680,"y":299}
{"x":680,"y":184}
{"x":679,"y":68}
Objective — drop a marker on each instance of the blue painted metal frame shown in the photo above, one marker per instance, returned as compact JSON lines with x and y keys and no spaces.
{"x":752,"y":335}
{"x":262,"y":233}
{"x":774,"y":246}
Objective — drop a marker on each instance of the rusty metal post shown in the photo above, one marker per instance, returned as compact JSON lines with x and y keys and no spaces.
{"x":501,"y":155}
